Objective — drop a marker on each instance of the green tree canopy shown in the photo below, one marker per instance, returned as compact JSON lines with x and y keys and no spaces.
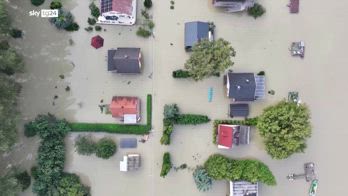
{"x":105,"y":148}
{"x":10,"y":61}
{"x":285,"y":128}
{"x":70,"y":185}
{"x":220,"y":167}
{"x":209,"y":58}
{"x":203,"y":181}
{"x":4,"y":19}
{"x":9,"y":185}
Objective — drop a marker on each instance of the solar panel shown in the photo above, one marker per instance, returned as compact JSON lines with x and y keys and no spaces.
{"x":106,"y":6}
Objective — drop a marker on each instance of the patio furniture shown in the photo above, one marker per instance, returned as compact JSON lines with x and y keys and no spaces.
{"x":297,"y":49}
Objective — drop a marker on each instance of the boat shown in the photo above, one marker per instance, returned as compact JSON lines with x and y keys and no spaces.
{"x":210,"y":94}
{"x":313,"y":187}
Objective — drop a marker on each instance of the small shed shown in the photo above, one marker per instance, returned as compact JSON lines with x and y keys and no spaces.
{"x":128,"y":143}
{"x":130,"y":162}
{"x":239,"y":110}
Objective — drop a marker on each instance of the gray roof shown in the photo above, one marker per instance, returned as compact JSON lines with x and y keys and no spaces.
{"x":241,"y":135}
{"x":242,"y":86}
{"x":243,"y":188}
{"x":124,"y":60}
{"x":239,"y":110}
{"x":128,"y":143}
{"x":194,"y":32}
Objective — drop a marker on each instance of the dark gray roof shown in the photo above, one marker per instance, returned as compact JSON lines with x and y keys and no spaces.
{"x":241,"y":135}
{"x":239,"y":110}
{"x":124,"y":60}
{"x":242,"y":86}
{"x":194,"y":32}
{"x":128,"y":143}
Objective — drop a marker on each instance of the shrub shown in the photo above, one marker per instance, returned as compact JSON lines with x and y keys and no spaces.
{"x":89,"y":29}
{"x":248,"y":122}
{"x":110,"y":128}
{"x":72,"y":27}
{"x":149,"y":110}
{"x":142,"y":32}
{"x":4,"y":45}
{"x":91,"y":21}
{"x":98,"y":28}
{"x":181,"y":74}
{"x":56,"y":4}
{"x":150,"y":24}
{"x":203,"y":181}
{"x":285,"y":128}
{"x":148,"y":4}
{"x":94,"y":10}
{"x":145,"y":14}
{"x":166,"y":164}
{"x":85,"y":146}
{"x":191,"y":119}
{"x":168,"y":128}
{"x":70,"y":184}
{"x":261,"y":73}
{"x":256,"y":11}
{"x":171,"y":112}
{"x":220,"y":167}
{"x":105,"y":148}
{"x":33,"y":172}
{"x":30,"y":129}
{"x":24,"y":179}
{"x":37,"y":2}
{"x":16,"y":33}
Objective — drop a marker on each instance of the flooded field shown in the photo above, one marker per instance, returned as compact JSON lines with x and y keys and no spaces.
{"x":261,"y":45}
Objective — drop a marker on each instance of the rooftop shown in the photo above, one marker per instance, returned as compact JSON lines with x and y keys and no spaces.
{"x":124,"y":60}
{"x":194,"y":32}
{"x":241,"y":86}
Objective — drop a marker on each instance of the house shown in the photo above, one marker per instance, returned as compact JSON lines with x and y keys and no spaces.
{"x":121,"y":12}
{"x":130,"y":162}
{"x":243,"y":188}
{"x":195,"y":32}
{"x":234,"y":5}
{"x":127,"y":109}
{"x":124,"y":60}
{"x":244,"y":86}
{"x":230,"y":135}
{"x":239,"y":110}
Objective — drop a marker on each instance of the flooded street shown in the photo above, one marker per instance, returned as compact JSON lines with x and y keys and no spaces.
{"x":57,"y":59}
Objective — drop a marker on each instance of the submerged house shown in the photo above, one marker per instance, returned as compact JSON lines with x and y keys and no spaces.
{"x":121,"y":12}
{"x":195,"y":32}
{"x":244,"y":86}
{"x":232,"y":135}
{"x":234,"y":5}
{"x":243,"y":188}
{"x":239,"y":110}
{"x":124,"y":60}
{"x":127,"y":109}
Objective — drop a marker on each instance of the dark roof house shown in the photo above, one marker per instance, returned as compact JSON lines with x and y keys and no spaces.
{"x":124,"y":60}
{"x":234,"y":5}
{"x":195,"y":32}
{"x":245,"y":86}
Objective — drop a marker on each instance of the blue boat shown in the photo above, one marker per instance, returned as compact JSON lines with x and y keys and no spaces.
{"x":210,"y":94}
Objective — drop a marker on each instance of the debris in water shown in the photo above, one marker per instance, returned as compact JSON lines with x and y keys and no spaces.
{"x":271,"y":92}
{"x":128,"y":82}
{"x":67,"y":88}
{"x":80,"y":104}
{"x":171,"y":44}
{"x":61,"y":76}
{"x":56,"y":87}
{"x":102,"y":101}
{"x":150,"y":76}
{"x":55,"y":97}
{"x":71,"y":42}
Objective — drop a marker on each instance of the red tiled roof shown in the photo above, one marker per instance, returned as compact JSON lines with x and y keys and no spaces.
{"x":124,"y":105}
{"x":225,"y":135}
{"x":122,"y":6}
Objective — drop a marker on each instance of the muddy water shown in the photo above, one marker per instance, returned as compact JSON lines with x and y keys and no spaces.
{"x":261,"y":44}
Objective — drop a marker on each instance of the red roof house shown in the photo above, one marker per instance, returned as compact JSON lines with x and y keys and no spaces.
{"x":121,"y":107}
{"x":225,"y":136}
{"x":97,"y":42}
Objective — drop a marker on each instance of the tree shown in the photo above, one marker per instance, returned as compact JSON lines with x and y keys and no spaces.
{"x":23,"y":179}
{"x":10,"y":62}
{"x":220,"y":167}
{"x":4,"y":18}
{"x":94,"y":10}
{"x":105,"y":148}
{"x":203,"y":181}
{"x":64,"y":19}
{"x":9,"y":185}
{"x":70,"y":185}
{"x":171,"y":112}
{"x":85,"y":146}
{"x":37,"y":2}
{"x":148,"y":4}
{"x":56,"y":4}
{"x":8,"y":112}
{"x":209,"y":58}
{"x":285,"y":128}
{"x":256,"y":11}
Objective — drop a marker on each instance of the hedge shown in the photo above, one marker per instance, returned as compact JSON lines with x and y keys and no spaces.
{"x":181,"y":74}
{"x":117,"y":128}
{"x":248,"y":122}
{"x":166,"y":164}
{"x":191,"y":119}
{"x":168,"y":128}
